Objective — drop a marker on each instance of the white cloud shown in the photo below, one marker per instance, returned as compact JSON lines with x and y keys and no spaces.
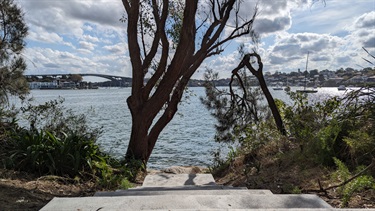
{"x":38,"y":34}
{"x":363,"y":30}
{"x":87,"y":45}
{"x":90,"y":38}
{"x":116,"y":49}
{"x":265,"y":25}
{"x":87,"y":36}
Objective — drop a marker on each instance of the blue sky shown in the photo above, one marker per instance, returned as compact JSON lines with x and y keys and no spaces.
{"x":86,"y":36}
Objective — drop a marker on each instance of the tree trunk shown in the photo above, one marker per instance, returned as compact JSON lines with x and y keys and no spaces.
{"x":271,"y":104}
{"x":144,"y":134}
{"x":138,"y":143}
{"x":163,"y":91}
{"x":259,"y":75}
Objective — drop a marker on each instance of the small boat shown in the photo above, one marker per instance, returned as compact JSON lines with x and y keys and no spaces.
{"x":307,"y":91}
{"x":277,"y":88}
{"x":304,"y":90}
{"x":287,"y":89}
{"x":341,"y":88}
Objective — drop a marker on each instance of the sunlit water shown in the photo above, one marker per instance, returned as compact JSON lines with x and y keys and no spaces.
{"x":187,"y":140}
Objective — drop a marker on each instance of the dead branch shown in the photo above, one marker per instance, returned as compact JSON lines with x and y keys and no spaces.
{"x":345,"y":182}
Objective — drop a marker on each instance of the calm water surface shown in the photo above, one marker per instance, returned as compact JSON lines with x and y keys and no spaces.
{"x":187,"y":140}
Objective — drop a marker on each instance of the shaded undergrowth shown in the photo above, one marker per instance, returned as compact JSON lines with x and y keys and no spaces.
{"x":329,"y":150}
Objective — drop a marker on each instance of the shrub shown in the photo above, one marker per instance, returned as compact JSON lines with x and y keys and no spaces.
{"x":337,"y":127}
{"x":43,"y":153}
{"x":356,"y":185}
{"x":60,"y":143}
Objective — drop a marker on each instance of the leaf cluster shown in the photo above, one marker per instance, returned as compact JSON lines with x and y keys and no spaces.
{"x":13,"y":30}
{"x":358,"y":184}
{"x":337,"y":127}
{"x":58,"y":142}
{"x":234,"y":117}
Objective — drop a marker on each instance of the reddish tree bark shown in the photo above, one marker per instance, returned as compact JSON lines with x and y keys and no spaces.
{"x":163,"y":91}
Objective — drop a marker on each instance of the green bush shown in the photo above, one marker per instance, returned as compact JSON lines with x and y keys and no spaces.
{"x":43,"y":153}
{"x":337,"y":127}
{"x":58,"y":142}
{"x":358,"y":184}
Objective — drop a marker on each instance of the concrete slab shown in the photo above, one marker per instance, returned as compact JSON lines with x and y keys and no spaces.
{"x":159,"y":180}
{"x":181,"y":191}
{"x":191,"y":187}
{"x":194,"y":202}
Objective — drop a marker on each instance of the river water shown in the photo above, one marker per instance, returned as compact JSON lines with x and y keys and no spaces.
{"x":187,"y":140}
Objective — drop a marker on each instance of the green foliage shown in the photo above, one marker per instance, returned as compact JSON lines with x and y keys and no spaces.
{"x":60,"y":143}
{"x":176,"y":9}
{"x":358,"y":184}
{"x":53,"y":116}
{"x":221,"y":163}
{"x":336,"y":127}
{"x":234,"y":119}
{"x":13,"y":30}
{"x":112,"y":174}
{"x":43,"y":153}
{"x":342,"y":173}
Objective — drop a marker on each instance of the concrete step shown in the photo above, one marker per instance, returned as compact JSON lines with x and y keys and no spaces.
{"x":158,"y":180}
{"x":192,"y":202}
{"x":183,"y":190}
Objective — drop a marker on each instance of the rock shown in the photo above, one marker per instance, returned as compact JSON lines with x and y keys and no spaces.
{"x":183,"y":170}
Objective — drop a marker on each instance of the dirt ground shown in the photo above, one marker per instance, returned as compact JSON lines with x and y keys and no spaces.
{"x":287,"y":177}
{"x":21,"y":191}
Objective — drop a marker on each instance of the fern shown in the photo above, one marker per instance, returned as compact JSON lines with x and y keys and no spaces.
{"x":358,"y":184}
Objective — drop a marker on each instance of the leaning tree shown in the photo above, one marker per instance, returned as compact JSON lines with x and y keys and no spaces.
{"x":168,"y":41}
{"x":13,"y":30}
{"x":257,"y":70}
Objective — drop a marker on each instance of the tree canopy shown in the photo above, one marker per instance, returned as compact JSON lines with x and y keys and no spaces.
{"x":13,"y":30}
{"x":196,"y":30}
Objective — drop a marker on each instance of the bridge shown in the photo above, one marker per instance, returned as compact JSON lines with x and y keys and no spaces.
{"x":68,"y":75}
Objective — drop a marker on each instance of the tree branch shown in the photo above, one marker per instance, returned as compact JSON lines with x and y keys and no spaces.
{"x":126,"y":5}
{"x":321,"y":189}
{"x":164,"y":54}
{"x":233,"y":35}
{"x":160,"y":23}
{"x":353,"y":177}
{"x":134,"y":49}
{"x":182,"y":58}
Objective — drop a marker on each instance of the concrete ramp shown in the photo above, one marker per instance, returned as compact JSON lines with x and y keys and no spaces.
{"x":219,"y":190}
{"x":193,"y":202}
{"x":188,"y":192}
{"x":170,"y":180}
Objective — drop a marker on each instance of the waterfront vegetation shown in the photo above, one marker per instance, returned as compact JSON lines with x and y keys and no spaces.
{"x":57,"y":142}
{"x":329,"y":149}
{"x":329,"y":144}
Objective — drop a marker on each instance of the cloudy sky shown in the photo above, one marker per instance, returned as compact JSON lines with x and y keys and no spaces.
{"x":86,"y":36}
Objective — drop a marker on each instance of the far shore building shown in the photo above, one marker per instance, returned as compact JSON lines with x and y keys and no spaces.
{"x":43,"y":85}
{"x":55,"y":84}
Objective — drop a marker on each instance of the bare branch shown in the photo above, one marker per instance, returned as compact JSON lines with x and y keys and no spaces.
{"x":154,"y":47}
{"x":165,"y":51}
{"x":126,"y":5}
{"x":368,"y":53}
{"x":321,"y":189}
{"x":246,"y":27}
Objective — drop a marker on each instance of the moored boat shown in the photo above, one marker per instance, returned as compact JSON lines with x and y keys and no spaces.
{"x":304,"y":90}
{"x":341,"y":88}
